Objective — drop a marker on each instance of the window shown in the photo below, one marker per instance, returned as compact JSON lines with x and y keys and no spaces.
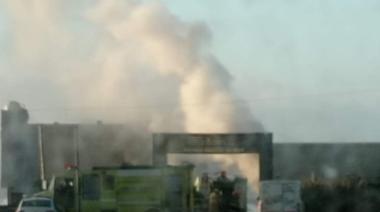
{"x":91,"y":187}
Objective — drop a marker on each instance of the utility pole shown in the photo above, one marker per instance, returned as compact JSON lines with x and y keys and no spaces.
{"x":42,"y":159}
{"x":76,"y":156}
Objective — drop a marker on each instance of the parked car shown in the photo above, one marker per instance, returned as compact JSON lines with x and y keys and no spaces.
{"x":36,"y":204}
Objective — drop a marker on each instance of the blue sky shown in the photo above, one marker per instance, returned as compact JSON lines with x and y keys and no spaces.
{"x":308,"y":68}
{"x":319,"y":41}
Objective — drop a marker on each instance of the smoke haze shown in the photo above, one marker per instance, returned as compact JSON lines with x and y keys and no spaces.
{"x":125,"y":61}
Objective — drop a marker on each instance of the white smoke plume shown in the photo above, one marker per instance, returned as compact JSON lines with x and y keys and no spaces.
{"x":173,"y":48}
{"x":129,"y":61}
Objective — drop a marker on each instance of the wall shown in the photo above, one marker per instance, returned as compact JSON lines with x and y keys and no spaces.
{"x":326,"y":160}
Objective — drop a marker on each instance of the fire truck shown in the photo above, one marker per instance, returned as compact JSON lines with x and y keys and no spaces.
{"x":129,"y":188}
{"x":145,"y":189}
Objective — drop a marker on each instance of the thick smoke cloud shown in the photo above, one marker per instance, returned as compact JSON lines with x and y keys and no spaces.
{"x":127,"y":61}
{"x":172,"y":48}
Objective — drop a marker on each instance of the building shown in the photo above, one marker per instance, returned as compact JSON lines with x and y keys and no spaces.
{"x":32,"y":152}
{"x":39,"y":151}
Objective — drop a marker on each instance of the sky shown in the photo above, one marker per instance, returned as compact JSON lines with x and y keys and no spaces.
{"x":308,"y":69}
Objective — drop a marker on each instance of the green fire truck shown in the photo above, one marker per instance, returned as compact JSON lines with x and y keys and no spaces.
{"x":129,"y":188}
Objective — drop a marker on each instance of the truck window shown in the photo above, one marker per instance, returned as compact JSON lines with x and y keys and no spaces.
{"x":109,"y":182}
{"x":91,"y":187}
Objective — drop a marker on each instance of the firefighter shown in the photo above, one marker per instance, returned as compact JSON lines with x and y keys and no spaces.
{"x":222,"y":177}
{"x":225,"y":188}
{"x":220,"y":182}
{"x":204,"y":186}
{"x":224,"y":184}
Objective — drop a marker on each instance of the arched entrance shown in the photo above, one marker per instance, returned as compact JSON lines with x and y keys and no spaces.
{"x":182,"y":143}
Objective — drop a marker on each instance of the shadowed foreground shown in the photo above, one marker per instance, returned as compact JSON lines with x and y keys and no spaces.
{"x":346,"y":195}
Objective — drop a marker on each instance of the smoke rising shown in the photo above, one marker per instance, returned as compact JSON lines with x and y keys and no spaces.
{"x":129,"y":61}
{"x":177,"y":49}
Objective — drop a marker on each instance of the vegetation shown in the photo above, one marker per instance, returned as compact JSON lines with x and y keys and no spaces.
{"x":351,"y":194}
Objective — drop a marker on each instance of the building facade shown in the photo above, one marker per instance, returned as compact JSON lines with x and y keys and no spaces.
{"x":32,"y":153}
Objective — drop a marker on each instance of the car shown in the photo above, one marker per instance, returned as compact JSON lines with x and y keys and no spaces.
{"x":36,"y":204}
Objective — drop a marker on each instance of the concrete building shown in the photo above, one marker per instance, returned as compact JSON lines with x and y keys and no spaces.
{"x":32,"y":152}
